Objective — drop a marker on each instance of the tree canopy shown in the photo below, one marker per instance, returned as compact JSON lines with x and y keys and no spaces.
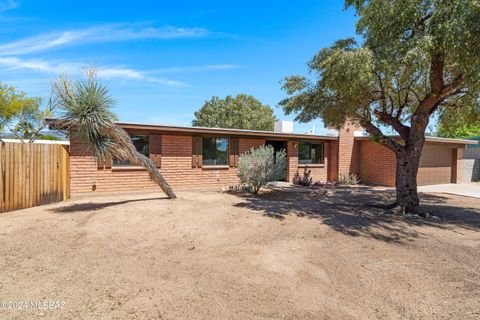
{"x":20,"y":114}
{"x":459,"y":123}
{"x":415,"y":58}
{"x":240,"y":112}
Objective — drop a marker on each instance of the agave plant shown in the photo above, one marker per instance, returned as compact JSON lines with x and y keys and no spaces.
{"x":85,"y":111}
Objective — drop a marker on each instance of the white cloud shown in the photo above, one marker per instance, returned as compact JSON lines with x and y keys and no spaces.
{"x":7,"y":5}
{"x":103,"y":33}
{"x":75,"y":69}
{"x":209,"y":67}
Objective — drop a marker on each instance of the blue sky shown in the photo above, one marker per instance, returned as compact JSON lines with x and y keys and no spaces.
{"x":163,"y":59}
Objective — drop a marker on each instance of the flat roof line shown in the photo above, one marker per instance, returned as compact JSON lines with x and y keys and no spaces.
{"x":431,"y":139}
{"x":260,"y":133}
{"x":244,"y":132}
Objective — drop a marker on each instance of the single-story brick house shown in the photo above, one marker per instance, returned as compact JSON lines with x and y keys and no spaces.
{"x":197,"y":157}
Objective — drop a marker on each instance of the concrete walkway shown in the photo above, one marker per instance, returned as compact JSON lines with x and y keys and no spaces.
{"x":462,"y":189}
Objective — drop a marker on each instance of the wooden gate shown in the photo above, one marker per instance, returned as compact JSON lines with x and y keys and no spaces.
{"x":32,"y":174}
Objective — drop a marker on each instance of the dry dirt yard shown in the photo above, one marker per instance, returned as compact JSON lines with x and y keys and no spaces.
{"x":208,"y":255}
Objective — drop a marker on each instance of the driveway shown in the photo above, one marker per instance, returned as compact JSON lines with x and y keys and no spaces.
{"x":461,"y":189}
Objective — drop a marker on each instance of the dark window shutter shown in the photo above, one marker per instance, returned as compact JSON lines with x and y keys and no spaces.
{"x":197,"y":152}
{"x":100,"y":164}
{"x":194,"y":152}
{"x":233,"y":152}
{"x":104,"y":164}
{"x":108,"y":164}
{"x":200,"y":151}
{"x":155,"y":149}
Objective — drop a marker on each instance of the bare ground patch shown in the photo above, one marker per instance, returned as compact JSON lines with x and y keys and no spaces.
{"x":209,"y":255}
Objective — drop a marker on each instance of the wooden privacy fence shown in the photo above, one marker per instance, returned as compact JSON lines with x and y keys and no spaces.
{"x":32,"y":174}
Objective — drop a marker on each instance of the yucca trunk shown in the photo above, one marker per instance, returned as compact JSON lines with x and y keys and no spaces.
{"x":141,"y":160}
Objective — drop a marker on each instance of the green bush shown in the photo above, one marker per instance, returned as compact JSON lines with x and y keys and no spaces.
{"x":48,"y":137}
{"x":260,"y":165}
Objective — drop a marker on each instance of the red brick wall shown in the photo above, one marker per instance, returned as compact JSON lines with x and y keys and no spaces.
{"x":377,"y":164}
{"x":317,"y":172}
{"x":333,"y":161}
{"x":176,"y":168}
{"x":356,"y":158}
{"x":85,"y":176}
{"x":346,"y":156}
{"x":372,"y":162}
{"x":247,"y":144}
{"x":292,"y":160}
{"x":457,"y":166}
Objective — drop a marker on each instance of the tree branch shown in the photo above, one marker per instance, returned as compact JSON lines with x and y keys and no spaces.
{"x":395,"y":122}
{"x":438,"y":90}
{"x":378,"y":135}
{"x":436,"y":73}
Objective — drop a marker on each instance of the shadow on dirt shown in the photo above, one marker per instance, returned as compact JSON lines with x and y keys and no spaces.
{"x":93,"y":206}
{"x":358,"y":213}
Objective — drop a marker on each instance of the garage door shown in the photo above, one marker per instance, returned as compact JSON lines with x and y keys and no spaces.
{"x":435,"y":165}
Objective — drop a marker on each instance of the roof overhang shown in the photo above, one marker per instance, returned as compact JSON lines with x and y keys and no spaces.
{"x":183,"y":130}
{"x":431,"y":139}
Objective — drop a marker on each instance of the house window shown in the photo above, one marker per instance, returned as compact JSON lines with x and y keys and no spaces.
{"x":215,"y":151}
{"x":141,"y":143}
{"x":310,"y":153}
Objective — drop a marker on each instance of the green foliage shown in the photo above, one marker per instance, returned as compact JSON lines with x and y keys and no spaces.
{"x":459,"y":123}
{"x":260,"y":165}
{"x":85,"y":110}
{"x":416,"y":58}
{"x":48,"y":137}
{"x":240,"y":112}
{"x":21,"y":114}
{"x":460,"y":132}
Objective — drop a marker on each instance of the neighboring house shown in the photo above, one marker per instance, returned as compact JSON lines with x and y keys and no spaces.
{"x":196,"y":157}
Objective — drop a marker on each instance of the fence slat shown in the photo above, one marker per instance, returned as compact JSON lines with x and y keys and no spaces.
{"x":32,"y":174}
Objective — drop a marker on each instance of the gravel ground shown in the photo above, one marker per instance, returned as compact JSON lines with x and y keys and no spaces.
{"x":211,"y":255}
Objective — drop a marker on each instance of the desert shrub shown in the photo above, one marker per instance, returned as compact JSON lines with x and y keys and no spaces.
{"x":348,"y":180}
{"x":258,"y":166}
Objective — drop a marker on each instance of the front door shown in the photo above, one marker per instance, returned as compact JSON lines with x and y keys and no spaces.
{"x":277,"y":146}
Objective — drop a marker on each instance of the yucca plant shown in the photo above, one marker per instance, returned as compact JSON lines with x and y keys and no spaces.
{"x":85,"y":111}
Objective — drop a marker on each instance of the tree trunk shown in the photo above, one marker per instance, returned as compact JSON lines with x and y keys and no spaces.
{"x":147,"y":163}
{"x":407,"y":199}
{"x":129,"y":152}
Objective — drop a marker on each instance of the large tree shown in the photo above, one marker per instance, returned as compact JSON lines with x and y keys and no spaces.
{"x":240,"y":112}
{"x":415,"y":58}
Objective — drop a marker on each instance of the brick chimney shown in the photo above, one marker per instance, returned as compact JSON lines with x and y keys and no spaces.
{"x":346,"y":137}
